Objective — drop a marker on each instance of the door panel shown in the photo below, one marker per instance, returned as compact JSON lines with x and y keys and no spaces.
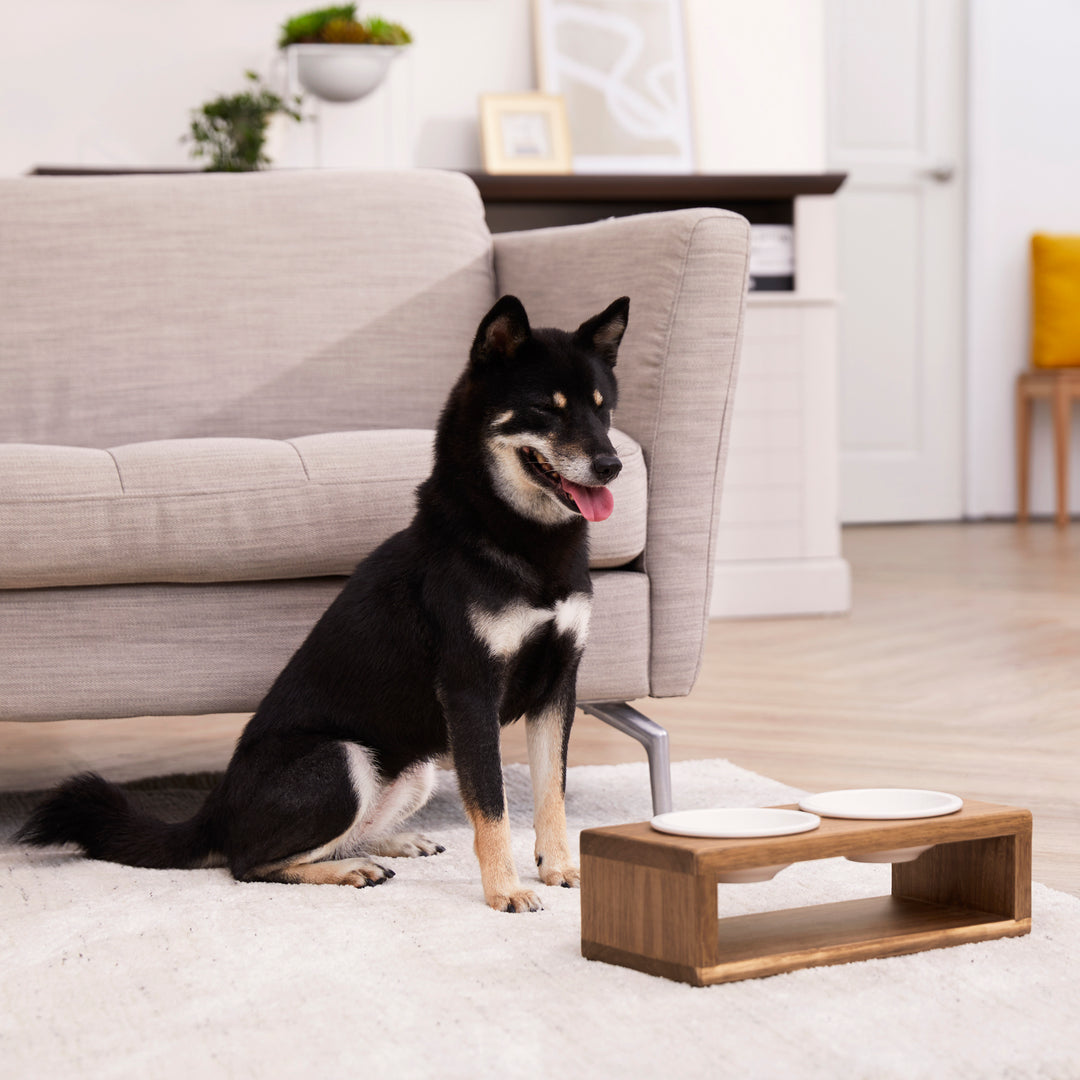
{"x":880,"y":350}
{"x":896,"y":126}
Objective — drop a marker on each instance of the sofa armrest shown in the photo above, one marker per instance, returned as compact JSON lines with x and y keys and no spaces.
{"x":685,"y":272}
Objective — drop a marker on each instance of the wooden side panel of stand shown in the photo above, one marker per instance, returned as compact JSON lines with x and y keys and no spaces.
{"x":650,"y":914}
{"x":993,"y":875}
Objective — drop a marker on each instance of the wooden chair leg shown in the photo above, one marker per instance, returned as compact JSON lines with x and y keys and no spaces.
{"x":1061,"y":408}
{"x":1023,"y":447}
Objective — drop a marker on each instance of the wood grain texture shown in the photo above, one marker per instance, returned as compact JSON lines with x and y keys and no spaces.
{"x":991,"y":874}
{"x":650,"y":913}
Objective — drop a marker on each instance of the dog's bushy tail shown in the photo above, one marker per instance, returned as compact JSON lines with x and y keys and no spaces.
{"x":98,"y":816}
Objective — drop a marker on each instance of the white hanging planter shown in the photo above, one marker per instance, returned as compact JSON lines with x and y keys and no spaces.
{"x":341,"y":72}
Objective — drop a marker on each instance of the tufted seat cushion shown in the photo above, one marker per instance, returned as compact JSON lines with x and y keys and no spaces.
{"x":222,"y":509}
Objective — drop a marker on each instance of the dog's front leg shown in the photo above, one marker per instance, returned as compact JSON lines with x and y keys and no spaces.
{"x":474,"y":738}
{"x":548,"y":733}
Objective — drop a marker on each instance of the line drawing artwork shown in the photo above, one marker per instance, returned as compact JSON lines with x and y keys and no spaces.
{"x":641,"y":84}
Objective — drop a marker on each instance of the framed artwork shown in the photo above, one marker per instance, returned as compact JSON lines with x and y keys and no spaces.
{"x":620,"y":66}
{"x":524,"y":133}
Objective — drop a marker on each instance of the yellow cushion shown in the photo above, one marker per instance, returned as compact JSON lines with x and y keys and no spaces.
{"x":1055,"y":282}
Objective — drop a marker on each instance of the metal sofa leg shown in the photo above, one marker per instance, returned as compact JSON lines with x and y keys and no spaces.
{"x":651,"y":735}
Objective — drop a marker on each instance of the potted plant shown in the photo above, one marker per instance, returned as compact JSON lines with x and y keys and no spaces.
{"x":336,"y":56}
{"x":231,"y":130}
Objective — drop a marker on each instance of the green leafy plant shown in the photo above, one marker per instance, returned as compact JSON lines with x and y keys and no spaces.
{"x":387,"y":33}
{"x":340,"y":26}
{"x":231,"y":131}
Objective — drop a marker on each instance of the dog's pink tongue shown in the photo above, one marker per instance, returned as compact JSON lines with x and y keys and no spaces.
{"x":595,"y":503}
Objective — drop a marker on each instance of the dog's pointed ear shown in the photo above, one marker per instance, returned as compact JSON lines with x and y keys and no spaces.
{"x":503,"y":330}
{"x":603,"y":333}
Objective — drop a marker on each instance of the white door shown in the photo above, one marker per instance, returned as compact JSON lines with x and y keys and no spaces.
{"x":896,"y":82}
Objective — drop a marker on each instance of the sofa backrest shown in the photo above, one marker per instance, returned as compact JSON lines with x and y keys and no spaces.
{"x":265,"y":305}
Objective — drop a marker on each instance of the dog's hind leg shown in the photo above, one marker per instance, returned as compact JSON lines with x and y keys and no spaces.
{"x":356,"y":872}
{"x":291,"y":805}
{"x":405,"y":845}
{"x":400,"y":799}
{"x":547,"y":733}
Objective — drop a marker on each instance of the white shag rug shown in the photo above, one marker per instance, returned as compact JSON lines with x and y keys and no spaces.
{"x":109,"y":971}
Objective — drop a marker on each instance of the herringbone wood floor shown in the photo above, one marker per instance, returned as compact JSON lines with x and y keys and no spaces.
{"x":958,"y":669}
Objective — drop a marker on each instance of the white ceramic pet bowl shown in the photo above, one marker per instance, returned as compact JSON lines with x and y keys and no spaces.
{"x":730,"y":824}
{"x":882,"y":804}
{"x":903,"y":854}
{"x":750,"y":874}
{"x":734,"y":824}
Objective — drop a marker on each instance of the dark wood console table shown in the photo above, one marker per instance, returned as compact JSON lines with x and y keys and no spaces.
{"x":529,"y":202}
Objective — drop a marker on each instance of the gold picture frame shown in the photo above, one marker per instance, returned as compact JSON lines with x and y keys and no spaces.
{"x":525,"y":134}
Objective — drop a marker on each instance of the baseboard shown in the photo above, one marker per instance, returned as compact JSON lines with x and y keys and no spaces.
{"x":775,"y":587}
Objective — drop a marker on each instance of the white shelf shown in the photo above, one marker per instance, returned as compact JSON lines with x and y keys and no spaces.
{"x":787,"y":299}
{"x":778,"y":549}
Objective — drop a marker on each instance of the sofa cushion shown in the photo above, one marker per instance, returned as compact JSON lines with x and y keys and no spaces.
{"x":168,"y":650}
{"x":235,"y":304}
{"x":218,"y":510}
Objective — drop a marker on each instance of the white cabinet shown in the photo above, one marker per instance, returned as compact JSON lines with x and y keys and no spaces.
{"x":778,"y":549}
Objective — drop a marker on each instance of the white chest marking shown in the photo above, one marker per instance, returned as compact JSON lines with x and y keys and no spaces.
{"x":506,"y":630}
{"x":572,"y":617}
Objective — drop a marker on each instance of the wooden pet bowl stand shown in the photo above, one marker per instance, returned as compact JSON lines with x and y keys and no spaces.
{"x":649,"y":900}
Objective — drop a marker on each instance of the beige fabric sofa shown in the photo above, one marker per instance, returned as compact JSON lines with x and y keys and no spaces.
{"x":217,"y":394}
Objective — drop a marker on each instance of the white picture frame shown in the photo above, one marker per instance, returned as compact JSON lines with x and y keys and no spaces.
{"x":621,"y":67}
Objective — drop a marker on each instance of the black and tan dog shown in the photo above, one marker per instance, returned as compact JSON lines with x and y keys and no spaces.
{"x":472,"y":617}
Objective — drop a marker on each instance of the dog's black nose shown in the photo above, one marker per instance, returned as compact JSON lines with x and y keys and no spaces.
{"x":606,"y":467}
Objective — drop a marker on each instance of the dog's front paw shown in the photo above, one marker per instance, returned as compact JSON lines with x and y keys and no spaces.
{"x":520,"y":900}
{"x":558,"y":870}
{"x":569,"y":877}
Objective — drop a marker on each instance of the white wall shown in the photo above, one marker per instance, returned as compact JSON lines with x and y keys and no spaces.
{"x":1024,"y":165}
{"x":758,"y":69}
{"x":113,"y":81}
